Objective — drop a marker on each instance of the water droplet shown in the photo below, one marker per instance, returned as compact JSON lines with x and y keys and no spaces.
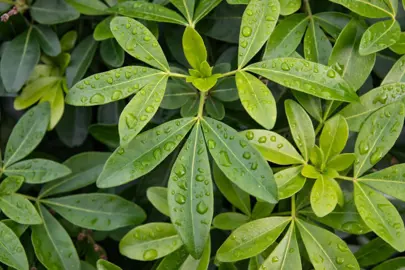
{"x":285,"y":66}
{"x":250,"y":135}
{"x":340,"y":260}
{"x":180,"y":199}
{"x":116,"y":95}
{"x":180,"y":170}
{"x":247,"y":155}
{"x":146,"y":38}
{"x":262,"y":139}
{"x":202,"y":208}
{"x":200,"y":178}
{"x":331,"y":73}
{"x":246,"y":31}
{"x":97,"y":98}
{"x":342,"y":247}
{"x":363,"y":147}
{"x":131,"y":120}
{"x":150,"y":254}
{"x":224,"y":159}
{"x":275,"y":259}
{"x":211,"y":144}
{"x":273,"y":138}
{"x":150,"y":109}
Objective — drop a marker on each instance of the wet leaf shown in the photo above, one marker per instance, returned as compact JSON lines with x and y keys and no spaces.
{"x":323,"y":196}
{"x":379,"y":36}
{"x":317,"y":47}
{"x":12,"y":252}
{"x":19,"y":209}
{"x":370,"y":9}
{"x":334,"y":137}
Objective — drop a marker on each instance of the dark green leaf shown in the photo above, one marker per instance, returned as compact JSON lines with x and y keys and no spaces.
{"x":203,"y":8}
{"x":53,"y":12}
{"x":375,"y":251}
{"x":158,"y":198}
{"x":48,"y":40}
{"x":215,"y":108}
{"x":262,"y":210}
{"x":174,"y":260}
{"x":103,"y":30}
{"x":225,"y":90}
{"x":186,"y":8}
{"x":229,"y":221}
{"x":198,"y":264}
{"x":89,"y":7}
{"x":397,"y":263}
{"x":190,"y":108}
{"x":332,"y":22}
{"x":317,"y":45}
{"x":112,"y":53}
{"x":106,"y":265}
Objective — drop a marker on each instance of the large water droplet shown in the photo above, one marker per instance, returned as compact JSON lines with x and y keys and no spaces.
{"x":180,"y":199}
{"x":97,"y":98}
{"x":224,"y":159}
{"x":202,"y":208}
{"x":246,"y":31}
{"x":150,"y":254}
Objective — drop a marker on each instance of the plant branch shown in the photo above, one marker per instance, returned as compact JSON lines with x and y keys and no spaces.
{"x":308,"y":8}
{"x":230,"y":73}
{"x":318,"y":128}
{"x":347,"y":178}
{"x":201,"y":105}
{"x":177,"y":75}
{"x":29,"y":197}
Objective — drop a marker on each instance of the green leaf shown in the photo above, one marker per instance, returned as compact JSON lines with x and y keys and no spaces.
{"x":225,"y":90}
{"x":194,"y":48}
{"x":12,"y":253}
{"x":17,"y":228}
{"x":143,"y":46}
{"x":103,"y":30}
{"x":317,"y":45}
{"x":158,"y":198}
{"x":341,"y":162}
{"x":106,"y":265}
{"x":262,"y":210}
{"x":273,"y":147}
{"x":97,"y":211}
{"x":177,"y":94}
{"x":229,"y":221}
{"x":204,"y":7}
{"x":231,"y":192}
{"x":82,"y":57}
{"x":198,"y":264}
{"x":370,"y":9}
{"x":375,"y":251}
{"x":286,"y":36}
{"x":89,"y":7}
{"x":289,"y":181}
{"x":305,"y":76}
{"x":251,"y":238}
{"x":239,"y":161}
{"x":334,"y":137}
{"x":215,"y":108}
{"x":286,"y":255}
{"x":140,"y":110}
{"x":323,"y":196}
{"x":150,"y":242}
{"x":53,"y":12}
{"x":27,"y":134}
{"x":316,"y":156}
{"x":112,"y":53}
{"x":377,"y":135}
{"x":148,"y":11}
{"x":106,"y":134}
{"x":301,"y":127}
{"x":37,"y":171}
{"x":19,"y":209}
{"x":34,"y":91}
{"x":288,"y":7}
{"x":11,"y":185}
{"x":48,"y":40}
{"x":53,"y":245}
{"x":399,"y":46}
{"x":22,"y":54}
{"x":379,"y":36}
{"x":190,"y":193}
{"x":325,"y":249}
{"x":186,"y":8}
{"x":68,"y":41}
{"x":332,"y":22}
{"x":190,"y":108}
{"x":143,"y":153}
{"x":310,"y":171}
{"x":254,"y":33}
{"x":257,"y":99}
{"x":174,"y":260}
{"x":311,"y":104}
{"x":396,"y":263}
{"x":124,"y":82}
{"x":380,"y":215}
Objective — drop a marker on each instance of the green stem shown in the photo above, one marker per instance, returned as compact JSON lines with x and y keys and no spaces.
{"x":318,"y":128}
{"x":201,"y":105}
{"x":29,"y":197}
{"x":287,"y":213}
{"x":308,"y":8}
{"x":327,"y":112}
{"x":230,"y":73}
{"x":347,"y":178}
{"x":177,"y":75}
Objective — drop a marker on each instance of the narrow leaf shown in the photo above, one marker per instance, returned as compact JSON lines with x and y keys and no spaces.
{"x":396,"y":73}
{"x":174,"y":260}
{"x":288,"y":7}
{"x":106,"y":265}
{"x":112,"y":53}
{"x":186,"y":7}
{"x":332,"y":22}
{"x":11,"y":185}
{"x":317,"y":47}
{"x":215,"y":108}
{"x":370,"y":9}
{"x":396,"y":263}
{"x":198,"y":264}
{"x":374,"y":252}
{"x":204,"y":7}
{"x":12,"y":253}
{"x":89,"y":7}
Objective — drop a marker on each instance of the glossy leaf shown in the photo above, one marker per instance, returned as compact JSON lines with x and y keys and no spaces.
{"x":231,"y":192}
{"x":190,"y":108}
{"x":19,"y":209}
{"x":301,"y":127}
{"x":325,"y":249}
{"x":150,"y":242}
{"x":396,"y":73}
{"x":37,"y":171}
{"x":251,"y":238}
{"x":396,"y":263}
{"x":229,"y":220}
{"x":141,"y":109}
{"x":375,"y":251}
{"x":288,"y":7}
{"x":370,"y":9}
{"x":289,"y":181}
{"x":379,"y":36}
{"x":317,"y":47}
{"x":311,"y":104}
{"x":12,"y":252}
{"x":177,"y":94}
{"x":305,"y":76}
{"x":157,"y":196}
{"x":334,"y":137}
{"x":323,"y":196}
{"x":68,"y":40}
{"x":106,"y":265}
{"x":198,"y":264}
{"x":89,"y":7}
{"x":377,"y":135}
{"x":380,"y":215}
{"x":190,"y":194}
{"x":52,"y":244}
{"x":102,"y":30}
{"x":257,"y":99}
{"x":143,"y":153}
{"x":262,"y":209}
{"x":27,"y":134}
{"x":239,"y":161}
{"x":254,"y":33}
{"x":48,"y":40}
{"x":102,"y":212}
{"x":57,"y":11}
{"x":399,"y":46}
{"x":194,"y":48}
{"x":143,"y":46}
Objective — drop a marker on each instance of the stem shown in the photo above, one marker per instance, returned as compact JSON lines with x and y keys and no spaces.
{"x":293,"y":210}
{"x":327,"y":112}
{"x":27,"y":196}
{"x":308,"y":8}
{"x":177,"y":75}
{"x":347,"y":178}
{"x":201,"y":105}
{"x":230,"y":73}
{"x":282,"y":213}
{"x":318,"y":128}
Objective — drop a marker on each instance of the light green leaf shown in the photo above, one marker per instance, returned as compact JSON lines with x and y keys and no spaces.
{"x":316,"y":156}
{"x":254,"y":33}
{"x":289,"y":181}
{"x":143,"y":47}
{"x":174,"y":260}
{"x":194,"y":48}
{"x":143,"y":153}
{"x":97,"y":211}
{"x":150,"y":242}
{"x":52,"y":244}
{"x":148,"y":11}
{"x":262,"y":209}
{"x":334,"y":137}
{"x":203,"y":8}
{"x":305,"y":76}
{"x":231,"y":192}
{"x":68,"y":40}
{"x":323,"y":196}
{"x":301,"y":127}
{"x":214,"y":108}
{"x":286,"y":255}
{"x":239,"y":161}
{"x":238,"y":2}
{"x":89,"y":7}
{"x":374,"y":252}
{"x":48,"y":40}
{"x":11,"y":185}
{"x":34,"y":91}
{"x":106,"y":265}
{"x":19,"y":209}
{"x":332,"y":22}
{"x":251,"y":238}
{"x":229,"y":220}
{"x":396,"y":73}
{"x":370,"y":8}
{"x":190,"y":193}
{"x":380,"y":215}
{"x":53,"y":12}
{"x":141,"y":109}
{"x":82,"y":56}
{"x":103,"y":30}
{"x":177,"y":94}
{"x":27,"y":134}
{"x":198,"y":264}
{"x":111,"y":85}
{"x":379,"y":36}
{"x":225,"y":90}
{"x":286,"y":36}
{"x":396,"y":263}
{"x":310,"y":171}
{"x":341,"y":162}
{"x":112,"y":53}
{"x":399,"y":46}
{"x":325,"y":249}
{"x":186,"y":7}
{"x":288,"y":7}
{"x":22,"y":54}
{"x":257,"y":99}
{"x":37,"y":171}
{"x":157,"y":196}
{"x":273,"y":147}
{"x":317,"y":47}
{"x":377,"y":135}
{"x":12,"y":253}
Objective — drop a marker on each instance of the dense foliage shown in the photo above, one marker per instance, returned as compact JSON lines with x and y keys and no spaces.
{"x":202,"y":134}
